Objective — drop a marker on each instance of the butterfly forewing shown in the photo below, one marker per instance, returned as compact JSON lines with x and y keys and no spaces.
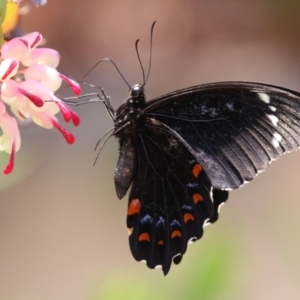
{"x":235,"y":129}
{"x":170,"y":198}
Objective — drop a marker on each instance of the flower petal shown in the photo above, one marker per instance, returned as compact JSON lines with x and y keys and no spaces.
{"x":8,"y":68}
{"x":39,"y":90}
{"x":43,"y":119}
{"x":17,"y":49}
{"x":2,"y":108}
{"x":11,"y":134}
{"x":43,"y":56}
{"x":33,"y":39}
{"x":10,"y":92}
{"x":46,"y":75}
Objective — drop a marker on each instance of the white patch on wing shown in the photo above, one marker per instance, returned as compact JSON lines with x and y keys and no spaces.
{"x":276,"y":139}
{"x":273,"y":119}
{"x":275,"y":143}
{"x":277,"y":136}
{"x":219,"y":208}
{"x":273,"y":108}
{"x":206,"y":223}
{"x":192,"y":240}
{"x":264,"y":97}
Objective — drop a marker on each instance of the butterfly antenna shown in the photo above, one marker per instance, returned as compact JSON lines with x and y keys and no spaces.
{"x":111,"y":61}
{"x":140,"y":61}
{"x":151,"y":43}
{"x":103,"y":144}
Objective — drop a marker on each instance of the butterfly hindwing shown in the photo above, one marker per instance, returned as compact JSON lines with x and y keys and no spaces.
{"x":170,"y":198}
{"x":219,"y":198}
{"x":235,"y":129}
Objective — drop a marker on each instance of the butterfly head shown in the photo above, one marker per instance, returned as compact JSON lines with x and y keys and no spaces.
{"x":130,"y":113}
{"x":137,"y":91}
{"x":136,"y":97}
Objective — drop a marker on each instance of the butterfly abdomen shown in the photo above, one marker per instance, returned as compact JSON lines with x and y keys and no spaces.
{"x":125,"y":168}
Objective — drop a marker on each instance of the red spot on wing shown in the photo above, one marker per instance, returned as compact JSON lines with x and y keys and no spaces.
{"x":176,"y":233}
{"x":134,"y":207}
{"x":188,"y":217}
{"x":144,"y":237}
{"x":161,"y":242}
{"x":197,"y":169}
{"x":197,"y":198}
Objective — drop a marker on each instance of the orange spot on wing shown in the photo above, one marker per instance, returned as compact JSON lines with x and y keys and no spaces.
{"x":197,"y":169}
{"x":175,"y":233}
{"x":197,"y":198}
{"x":161,"y":242}
{"x":144,"y":237}
{"x":130,"y":230}
{"x":188,"y":217}
{"x":134,"y":207}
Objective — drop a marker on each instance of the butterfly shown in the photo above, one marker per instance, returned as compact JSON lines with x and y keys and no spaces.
{"x":182,"y":152}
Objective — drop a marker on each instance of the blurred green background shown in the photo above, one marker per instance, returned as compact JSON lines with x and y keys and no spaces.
{"x":62,"y":229}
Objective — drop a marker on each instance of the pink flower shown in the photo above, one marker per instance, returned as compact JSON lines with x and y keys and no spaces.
{"x":28,"y":81}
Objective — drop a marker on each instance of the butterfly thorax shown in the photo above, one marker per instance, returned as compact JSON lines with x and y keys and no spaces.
{"x":129,"y":115}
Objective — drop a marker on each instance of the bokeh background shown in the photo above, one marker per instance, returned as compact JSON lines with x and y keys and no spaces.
{"x":62,"y":229}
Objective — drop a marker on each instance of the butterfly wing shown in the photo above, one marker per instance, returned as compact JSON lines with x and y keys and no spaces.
{"x":170,"y":199}
{"x":234,"y":129}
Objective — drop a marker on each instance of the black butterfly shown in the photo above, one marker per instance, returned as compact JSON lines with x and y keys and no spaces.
{"x":183,"y":151}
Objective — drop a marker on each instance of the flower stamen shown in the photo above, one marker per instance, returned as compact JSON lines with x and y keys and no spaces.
{"x":37,"y":101}
{"x":75,"y":118}
{"x":69,"y":137}
{"x":66,"y":113}
{"x":72,"y":83}
{"x":10,"y":166}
